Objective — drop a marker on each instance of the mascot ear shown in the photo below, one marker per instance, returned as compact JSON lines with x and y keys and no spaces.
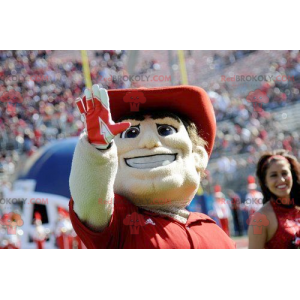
{"x":201,"y":158}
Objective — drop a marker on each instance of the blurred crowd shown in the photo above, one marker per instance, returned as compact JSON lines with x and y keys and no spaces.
{"x":48,"y":87}
{"x":281,"y":85}
{"x":149,"y":67}
{"x":221,"y":59}
{"x":244,"y":132}
{"x":248,"y":130}
{"x":254,"y":132}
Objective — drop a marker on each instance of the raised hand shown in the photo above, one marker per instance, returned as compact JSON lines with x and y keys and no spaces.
{"x":94,"y":108}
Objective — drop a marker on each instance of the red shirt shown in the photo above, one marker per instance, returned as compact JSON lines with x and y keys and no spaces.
{"x":287,"y":235}
{"x":133,"y":228}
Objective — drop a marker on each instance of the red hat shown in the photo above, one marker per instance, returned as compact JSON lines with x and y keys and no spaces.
{"x":189,"y":101}
{"x":217,"y":189}
{"x":62,"y":212}
{"x":6,"y":219}
{"x":251,"y":183}
{"x":37,"y":216}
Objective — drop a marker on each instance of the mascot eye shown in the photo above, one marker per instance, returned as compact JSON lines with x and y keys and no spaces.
{"x":165,"y":130}
{"x":130,"y":133}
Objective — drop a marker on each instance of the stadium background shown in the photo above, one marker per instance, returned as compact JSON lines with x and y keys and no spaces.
{"x":48,"y":82}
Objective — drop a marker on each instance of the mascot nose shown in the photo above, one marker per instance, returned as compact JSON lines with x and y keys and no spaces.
{"x":149,"y":140}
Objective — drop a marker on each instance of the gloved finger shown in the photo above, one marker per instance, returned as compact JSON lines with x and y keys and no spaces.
{"x":104,"y":98}
{"x":120,"y":127}
{"x":101,"y":97}
{"x":89,"y":99}
{"x":84,"y":103}
{"x":80,"y":105}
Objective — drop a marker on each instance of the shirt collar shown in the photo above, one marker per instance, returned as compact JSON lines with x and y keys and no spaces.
{"x":198,"y":217}
{"x":193,"y":217}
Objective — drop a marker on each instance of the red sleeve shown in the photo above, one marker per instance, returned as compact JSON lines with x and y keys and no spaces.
{"x":111,"y":237}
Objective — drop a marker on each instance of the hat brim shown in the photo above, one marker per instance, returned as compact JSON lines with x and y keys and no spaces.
{"x":189,"y":101}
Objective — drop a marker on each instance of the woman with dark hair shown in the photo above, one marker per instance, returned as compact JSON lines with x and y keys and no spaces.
{"x":277,"y":223}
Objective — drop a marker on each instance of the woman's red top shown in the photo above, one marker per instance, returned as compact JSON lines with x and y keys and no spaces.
{"x":287,"y":235}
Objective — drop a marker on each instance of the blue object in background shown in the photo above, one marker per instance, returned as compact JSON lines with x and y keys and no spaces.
{"x":203,"y":204}
{"x":198,"y":204}
{"x":50,"y":167}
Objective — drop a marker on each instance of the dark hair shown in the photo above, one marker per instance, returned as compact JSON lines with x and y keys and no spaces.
{"x":261,"y":171}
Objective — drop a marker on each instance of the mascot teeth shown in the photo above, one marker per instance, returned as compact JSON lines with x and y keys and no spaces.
{"x":150,"y":162}
{"x":166,"y":162}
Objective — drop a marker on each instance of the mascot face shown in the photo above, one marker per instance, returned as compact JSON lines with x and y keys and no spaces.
{"x":156,"y":163}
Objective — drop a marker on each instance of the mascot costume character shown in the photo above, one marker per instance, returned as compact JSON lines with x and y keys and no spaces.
{"x":131,"y":181}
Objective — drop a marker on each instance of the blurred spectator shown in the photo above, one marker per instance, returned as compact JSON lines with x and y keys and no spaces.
{"x":235,"y":201}
{"x":221,"y":210}
{"x":254,"y":198}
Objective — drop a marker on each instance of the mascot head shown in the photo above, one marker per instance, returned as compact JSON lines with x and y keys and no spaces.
{"x":163,"y":155}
